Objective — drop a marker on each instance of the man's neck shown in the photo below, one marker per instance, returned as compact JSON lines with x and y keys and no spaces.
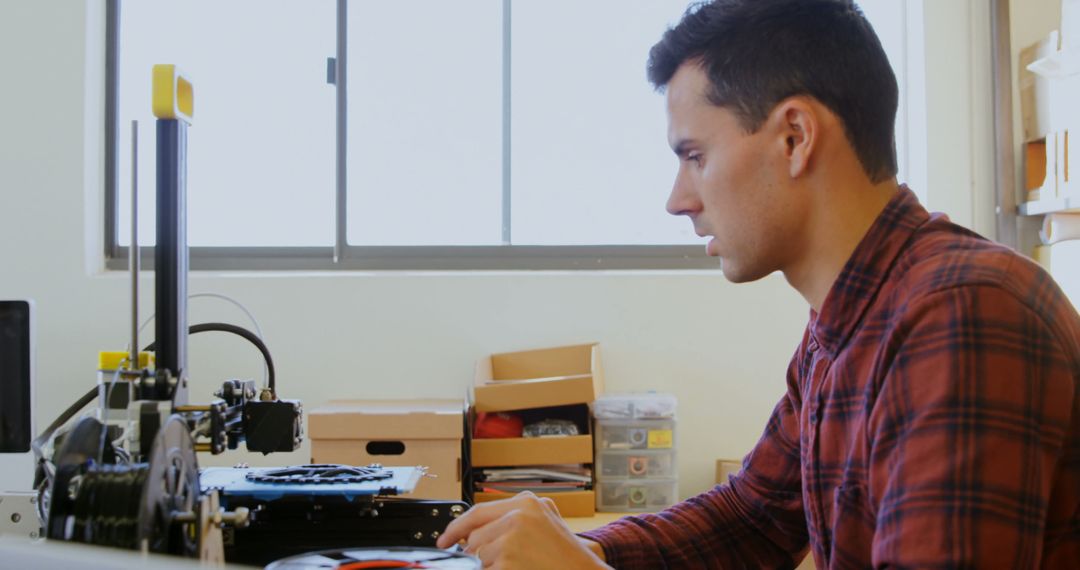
{"x":843,"y":212}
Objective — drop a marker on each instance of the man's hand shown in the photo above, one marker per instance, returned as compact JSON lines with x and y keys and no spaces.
{"x":521,"y":532}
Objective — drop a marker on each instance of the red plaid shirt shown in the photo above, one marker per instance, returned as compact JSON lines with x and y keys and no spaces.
{"x":931,"y":420}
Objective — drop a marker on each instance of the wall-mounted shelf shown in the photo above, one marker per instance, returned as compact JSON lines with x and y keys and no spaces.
{"x":1058,"y":63}
{"x":1040,"y":207}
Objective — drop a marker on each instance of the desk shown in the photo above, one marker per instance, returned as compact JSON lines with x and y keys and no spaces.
{"x":582,"y":524}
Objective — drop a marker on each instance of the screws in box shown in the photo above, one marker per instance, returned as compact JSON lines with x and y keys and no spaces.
{"x":615,"y":439}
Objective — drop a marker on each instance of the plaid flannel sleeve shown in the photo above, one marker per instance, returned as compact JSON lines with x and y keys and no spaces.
{"x":968,"y":436}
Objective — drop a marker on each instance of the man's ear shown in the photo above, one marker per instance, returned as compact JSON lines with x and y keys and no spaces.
{"x":796,"y":123}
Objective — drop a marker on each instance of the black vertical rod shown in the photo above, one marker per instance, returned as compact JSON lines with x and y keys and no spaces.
{"x":171,"y":258}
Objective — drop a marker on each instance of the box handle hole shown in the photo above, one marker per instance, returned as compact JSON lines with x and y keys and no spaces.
{"x":385,"y":447}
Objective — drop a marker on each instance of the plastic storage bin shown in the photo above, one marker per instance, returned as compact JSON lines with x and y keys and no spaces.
{"x":630,"y":496}
{"x":635,"y":452}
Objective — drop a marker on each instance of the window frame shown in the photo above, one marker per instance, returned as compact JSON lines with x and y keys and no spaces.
{"x":342,"y":256}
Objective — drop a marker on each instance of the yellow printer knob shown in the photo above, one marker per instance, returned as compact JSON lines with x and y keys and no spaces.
{"x":174,"y":95}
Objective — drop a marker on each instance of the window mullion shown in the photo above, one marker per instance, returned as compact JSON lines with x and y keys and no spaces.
{"x":506,"y":90}
{"x":340,"y":85}
{"x":112,"y":125}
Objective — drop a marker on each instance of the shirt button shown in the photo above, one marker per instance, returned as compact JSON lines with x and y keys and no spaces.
{"x":813,"y":417}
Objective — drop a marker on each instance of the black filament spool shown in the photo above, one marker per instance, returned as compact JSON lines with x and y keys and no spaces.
{"x":100,"y":505}
{"x":127,"y":506}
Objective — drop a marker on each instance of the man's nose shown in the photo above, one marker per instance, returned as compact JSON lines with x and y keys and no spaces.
{"x":681,"y":202}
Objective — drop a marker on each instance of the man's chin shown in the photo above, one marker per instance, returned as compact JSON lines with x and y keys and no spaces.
{"x":735,"y":274}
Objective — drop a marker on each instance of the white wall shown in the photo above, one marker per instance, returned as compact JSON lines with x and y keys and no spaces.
{"x":722,"y":349}
{"x":959,"y":111}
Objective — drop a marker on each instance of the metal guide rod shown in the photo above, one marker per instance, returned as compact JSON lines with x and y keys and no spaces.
{"x":133,"y":253}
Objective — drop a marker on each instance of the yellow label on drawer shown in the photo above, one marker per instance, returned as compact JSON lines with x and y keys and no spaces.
{"x":660,"y":439}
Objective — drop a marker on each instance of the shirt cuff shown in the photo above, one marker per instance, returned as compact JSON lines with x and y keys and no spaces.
{"x":608,"y":539}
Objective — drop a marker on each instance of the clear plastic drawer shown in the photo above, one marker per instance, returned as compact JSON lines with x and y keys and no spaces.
{"x":642,"y":495}
{"x":630,"y":464}
{"x":635,"y":434}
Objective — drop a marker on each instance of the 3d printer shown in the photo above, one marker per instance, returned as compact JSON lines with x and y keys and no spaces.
{"x":128,"y":477}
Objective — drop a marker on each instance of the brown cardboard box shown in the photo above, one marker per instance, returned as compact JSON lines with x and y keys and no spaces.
{"x":726,"y":468}
{"x":552,"y":378}
{"x":394,"y":432}
{"x":517,"y":451}
{"x":570,"y":503}
{"x":538,"y":378}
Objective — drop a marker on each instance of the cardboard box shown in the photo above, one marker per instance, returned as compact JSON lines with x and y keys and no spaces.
{"x":394,"y":433}
{"x":556,"y":383}
{"x":518,"y":451}
{"x":1039,"y":180}
{"x":725,"y":468}
{"x":570,"y":503}
{"x":538,"y":378}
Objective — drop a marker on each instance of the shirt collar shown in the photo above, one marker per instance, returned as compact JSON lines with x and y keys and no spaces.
{"x":866,"y":270}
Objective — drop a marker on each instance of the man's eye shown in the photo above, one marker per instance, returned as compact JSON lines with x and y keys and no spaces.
{"x":695,"y":158}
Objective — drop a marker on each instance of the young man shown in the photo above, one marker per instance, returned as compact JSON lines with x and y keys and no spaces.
{"x":931,"y":417}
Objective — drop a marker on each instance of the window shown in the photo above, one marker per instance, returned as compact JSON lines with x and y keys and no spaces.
{"x":354,"y":134}
{"x":590,"y":163}
{"x":425,"y":123}
{"x":261,"y":147}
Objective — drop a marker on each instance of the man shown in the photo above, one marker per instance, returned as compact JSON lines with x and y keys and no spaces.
{"x":931,"y":417}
